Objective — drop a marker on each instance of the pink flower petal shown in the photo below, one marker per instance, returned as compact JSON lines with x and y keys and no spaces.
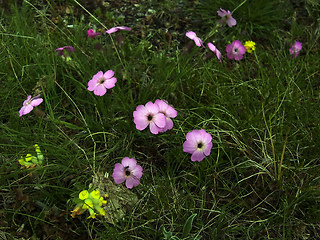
{"x":132,"y":182}
{"x":109,"y":83}
{"x":100,"y":90}
{"x":191,"y":35}
{"x":197,"y":156}
{"x":129,"y":162}
{"x":154,"y":129}
{"x":108,"y":74}
{"x":36,"y":102}
{"x":137,"y":171}
{"x":189,"y":146}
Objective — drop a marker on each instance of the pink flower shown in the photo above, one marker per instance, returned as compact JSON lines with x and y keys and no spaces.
{"x":215,"y":50}
{"x":193,"y":36}
{"x":226,"y":17}
{"x":60,"y":51}
{"x":115,"y":29}
{"x":101,"y":82}
{"x":168,"y":111}
{"x":128,"y":171}
{"x":92,"y":34}
{"x":149,"y":115}
{"x":295,"y":49}
{"x":198,"y":143}
{"x":29,"y":104}
{"x":235,"y":50}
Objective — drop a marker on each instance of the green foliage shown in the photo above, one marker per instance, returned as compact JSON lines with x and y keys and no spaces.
{"x":261,"y":178}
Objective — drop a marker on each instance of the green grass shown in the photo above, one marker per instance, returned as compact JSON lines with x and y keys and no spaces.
{"x":261,"y":180}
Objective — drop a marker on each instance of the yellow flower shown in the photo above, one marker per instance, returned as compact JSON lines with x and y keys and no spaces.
{"x":95,"y":194}
{"x":84,"y":195}
{"x":250,"y":46}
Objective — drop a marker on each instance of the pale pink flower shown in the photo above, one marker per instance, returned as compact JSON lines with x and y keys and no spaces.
{"x":92,"y":34}
{"x":215,"y":50}
{"x":61,"y":50}
{"x":168,"y":111}
{"x":193,"y":36}
{"x":295,"y":49}
{"x":226,"y":17}
{"x":199,"y":144}
{"x":128,"y":171}
{"x":149,"y":115}
{"x":29,"y":104}
{"x":115,"y":29}
{"x":100,"y":82}
{"x":235,"y":50}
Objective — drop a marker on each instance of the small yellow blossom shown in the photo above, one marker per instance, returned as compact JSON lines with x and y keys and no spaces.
{"x":92,"y":202}
{"x":83,"y":195}
{"x":250,"y":46}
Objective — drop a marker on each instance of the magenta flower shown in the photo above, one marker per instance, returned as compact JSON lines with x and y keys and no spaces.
{"x":295,"y":49}
{"x":29,"y":104}
{"x":115,"y":29}
{"x":226,"y":17}
{"x":92,"y":34}
{"x":101,"y":82}
{"x":198,"y":143}
{"x":149,"y":115}
{"x":215,"y":50}
{"x":61,"y":50}
{"x":128,"y":171}
{"x":168,"y":111}
{"x":235,"y":50}
{"x":193,"y":36}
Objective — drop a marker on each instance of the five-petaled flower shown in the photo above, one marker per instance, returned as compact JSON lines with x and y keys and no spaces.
{"x":226,"y":17}
{"x":214,"y":49}
{"x":235,"y":50}
{"x":63,"y":50}
{"x":168,"y":111}
{"x":198,"y":143}
{"x":128,"y":170}
{"x":149,"y":115}
{"x":29,"y":104}
{"x":295,"y":49}
{"x":250,"y":46}
{"x":100,"y":82}
{"x":115,"y":29}
{"x":92,"y":34}
{"x":193,"y":36}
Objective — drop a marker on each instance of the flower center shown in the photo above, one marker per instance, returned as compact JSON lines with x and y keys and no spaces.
{"x":150,"y":117}
{"x":200,"y":145}
{"x":101,"y":80}
{"x":128,"y":173}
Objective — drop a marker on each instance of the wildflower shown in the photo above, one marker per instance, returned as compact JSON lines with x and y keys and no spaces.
{"x":193,"y":36}
{"x":198,"y":143}
{"x":92,"y":34}
{"x":295,"y":49}
{"x":100,"y":82}
{"x":64,"y":50}
{"x":29,"y":104}
{"x":235,"y":50}
{"x":90,"y":201}
{"x":169,"y":113}
{"x":115,"y":29}
{"x":215,"y":50}
{"x":226,"y":17}
{"x":250,"y":46}
{"x":128,"y":171}
{"x":149,"y":115}
{"x":31,"y":161}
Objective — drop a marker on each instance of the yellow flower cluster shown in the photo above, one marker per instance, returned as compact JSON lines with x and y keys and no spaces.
{"x":90,"y":201}
{"x":250,"y":46}
{"x":31,"y":161}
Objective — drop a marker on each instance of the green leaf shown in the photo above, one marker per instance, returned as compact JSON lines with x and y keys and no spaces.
{"x":188,"y":225}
